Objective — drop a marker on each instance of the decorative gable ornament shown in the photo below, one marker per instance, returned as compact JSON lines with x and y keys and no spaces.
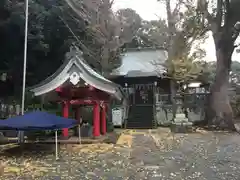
{"x":74,"y":78}
{"x":73,"y":52}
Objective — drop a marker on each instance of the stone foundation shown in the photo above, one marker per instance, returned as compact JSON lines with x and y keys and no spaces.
{"x":181,"y":124}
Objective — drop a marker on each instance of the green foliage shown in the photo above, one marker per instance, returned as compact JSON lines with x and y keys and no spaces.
{"x":183,"y":70}
{"x":235,"y":73}
{"x":235,"y":104}
{"x":47,"y":38}
{"x":209,"y":73}
{"x":53,"y":27}
{"x":185,"y":29}
{"x":151,"y":34}
{"x":109,"y":30}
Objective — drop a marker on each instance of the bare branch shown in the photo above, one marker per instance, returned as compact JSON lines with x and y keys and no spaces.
{"x":169,"y":14}
{"x":177,"y":7}
{"x":203,"y":7}
{"x":219,"y":15}
{"x":112,"y":2}
{"x":78,"y":40}
{"x":79,"y":10}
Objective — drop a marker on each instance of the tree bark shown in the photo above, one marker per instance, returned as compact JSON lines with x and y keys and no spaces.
{"x":173,"y":89}
{"x":220,"y":112}
{"x":105,"y":60}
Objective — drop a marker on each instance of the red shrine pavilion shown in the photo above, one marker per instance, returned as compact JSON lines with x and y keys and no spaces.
{"x":75,"y":83}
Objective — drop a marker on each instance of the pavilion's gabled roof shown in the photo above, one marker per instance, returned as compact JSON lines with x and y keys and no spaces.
{"x":74,"y":69}
{"x":142,"y":63}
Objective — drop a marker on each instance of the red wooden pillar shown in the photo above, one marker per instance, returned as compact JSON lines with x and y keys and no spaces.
{"x":96,"y":120}
{"x":65,"y":112}
{"x":103,"y":120}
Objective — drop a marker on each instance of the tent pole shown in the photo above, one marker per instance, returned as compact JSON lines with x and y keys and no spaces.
{"x":79,"y":133}
{"x":56,"y":143}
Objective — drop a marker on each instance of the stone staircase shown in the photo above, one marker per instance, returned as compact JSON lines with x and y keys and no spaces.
{"x":141,"y":117}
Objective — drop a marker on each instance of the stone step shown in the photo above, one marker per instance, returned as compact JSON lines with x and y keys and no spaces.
{"x":181,"y":127}
{"x":181,"y":116}
{"x":141,"y":117}
{"x":182,"y":123}
{"x":178,"y":120}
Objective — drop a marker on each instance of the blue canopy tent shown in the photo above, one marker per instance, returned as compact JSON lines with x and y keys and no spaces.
{"x":38,"y":120}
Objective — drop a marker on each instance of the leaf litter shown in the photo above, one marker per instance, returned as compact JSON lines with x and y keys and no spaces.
{"x":74,"y":159}
{"x":188,"y":156}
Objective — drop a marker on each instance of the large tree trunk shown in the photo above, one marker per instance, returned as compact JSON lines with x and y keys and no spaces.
{"x":220,"y":112}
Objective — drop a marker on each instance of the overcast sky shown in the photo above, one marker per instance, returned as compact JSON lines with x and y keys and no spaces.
{"x":151,"y":9}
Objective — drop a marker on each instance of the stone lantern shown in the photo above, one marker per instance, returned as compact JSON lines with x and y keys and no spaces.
{"x":180,"y":123}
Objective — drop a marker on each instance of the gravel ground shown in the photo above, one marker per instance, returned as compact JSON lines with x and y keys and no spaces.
{"x":153,"y":156}
{"x":199,"y":156}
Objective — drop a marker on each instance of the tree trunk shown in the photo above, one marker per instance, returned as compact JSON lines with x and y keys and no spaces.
{"x":220,"y":112}
{"x":105,"y":60}
{"x":173,"y":89}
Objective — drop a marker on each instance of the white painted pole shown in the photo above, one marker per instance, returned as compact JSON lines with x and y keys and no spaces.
{"x":21,"y":133}
{"x":56,"y":143}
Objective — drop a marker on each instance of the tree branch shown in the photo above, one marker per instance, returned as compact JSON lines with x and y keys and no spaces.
{"x":203,"y":7}
{"x":219,"y":15}
{"x":177,"y":7}
{"x":227,"y":17}
{"x":169,"y":14}
{"x":112,"y":2}
{"x":78,"y":40}
{"x":80,"y":11}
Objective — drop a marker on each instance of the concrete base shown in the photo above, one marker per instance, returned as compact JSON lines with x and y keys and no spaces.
{"x":181,"y":124}
{"x":181,"y":127}
{"x":180,"y":118}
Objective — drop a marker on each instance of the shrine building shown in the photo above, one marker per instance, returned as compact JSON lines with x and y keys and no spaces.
{"x":141,"y":73}
{"x":75,"y":83}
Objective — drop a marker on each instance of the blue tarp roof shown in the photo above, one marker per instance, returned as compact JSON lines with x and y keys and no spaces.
{"x":37,"y":120}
